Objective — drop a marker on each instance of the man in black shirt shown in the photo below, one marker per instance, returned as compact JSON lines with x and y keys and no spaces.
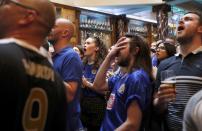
{"x":32,"y":94}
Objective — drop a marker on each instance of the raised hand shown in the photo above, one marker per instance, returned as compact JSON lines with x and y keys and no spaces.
{"x":117,"y":47}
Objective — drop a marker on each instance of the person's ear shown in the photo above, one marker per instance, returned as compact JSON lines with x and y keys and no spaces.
{"x":200,"y":29}
{"x":28,"y":17}
{"x":65,"y":33}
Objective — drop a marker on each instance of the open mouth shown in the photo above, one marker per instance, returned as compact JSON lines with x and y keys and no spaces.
{"x":84,"y":49}
{"x":153,"y":50}
{"x":180,"y":28}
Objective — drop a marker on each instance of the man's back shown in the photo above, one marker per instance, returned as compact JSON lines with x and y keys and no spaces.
{"x":33,"y":96}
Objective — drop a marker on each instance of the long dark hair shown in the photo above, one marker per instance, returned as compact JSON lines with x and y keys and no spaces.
{"x":142,"y":57}
{"x":100,"y":54}
{"x":80,"y":47}
{"x":170,"y":49}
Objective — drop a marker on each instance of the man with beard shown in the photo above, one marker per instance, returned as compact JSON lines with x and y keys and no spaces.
{"x":187,"y":64}
{"x":68,"y":64}
{"x":130,"y":95}
{"x":32,"y":94}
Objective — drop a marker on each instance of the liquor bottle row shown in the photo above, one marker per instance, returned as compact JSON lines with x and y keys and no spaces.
{"x":105,"y":37}
{"x":95,"y":24}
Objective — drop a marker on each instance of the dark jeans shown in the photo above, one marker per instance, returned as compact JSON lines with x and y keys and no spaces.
{"x":92,"y":112}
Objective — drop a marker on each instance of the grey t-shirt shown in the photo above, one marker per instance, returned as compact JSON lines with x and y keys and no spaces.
{"x":193,"y":113}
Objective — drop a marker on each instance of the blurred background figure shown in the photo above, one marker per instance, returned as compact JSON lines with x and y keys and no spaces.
{"x":80,"y":50}
{"x":153,"y":53}
{"x":153,"y":48}
{"x":192,"y":120}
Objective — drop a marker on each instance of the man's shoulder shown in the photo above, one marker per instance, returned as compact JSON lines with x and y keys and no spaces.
{"x":169,"y":60}
{"x":4,"y":44}
{"x":138,"y":75}
{"x":8,"y":49}
{"x":196,"y":97}
{"x":193,"y":109}
{"x":69,"y":52}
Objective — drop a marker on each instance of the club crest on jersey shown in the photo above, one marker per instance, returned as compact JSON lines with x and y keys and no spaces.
{"x":122,"y":89}
{"x":110,"y":102}
{"x":94,"y":72}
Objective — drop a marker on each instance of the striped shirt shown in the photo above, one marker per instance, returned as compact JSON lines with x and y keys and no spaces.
{"x":188,"y":82}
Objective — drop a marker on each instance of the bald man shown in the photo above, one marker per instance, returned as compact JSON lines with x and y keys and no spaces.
{"x":32,"y":94}
{"x":68,"y":64}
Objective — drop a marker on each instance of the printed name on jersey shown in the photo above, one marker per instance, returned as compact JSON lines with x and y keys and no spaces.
{"x":121,"y":90}
{"x":110,"y":102}
{"x":38,"y":70}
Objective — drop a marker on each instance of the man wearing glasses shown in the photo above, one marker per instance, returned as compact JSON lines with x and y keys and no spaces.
{"x":32,"y":94}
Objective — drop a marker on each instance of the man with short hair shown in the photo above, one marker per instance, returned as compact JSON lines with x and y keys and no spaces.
{"x":68,"y":64}
{"x":187,"y":65}
{"x":32,"y":94}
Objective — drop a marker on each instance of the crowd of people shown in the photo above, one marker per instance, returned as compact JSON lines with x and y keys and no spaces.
{"x":89,"y":87}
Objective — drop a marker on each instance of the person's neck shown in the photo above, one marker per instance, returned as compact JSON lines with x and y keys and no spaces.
{"x":91,"y":60}
{"x":187,"y":48}
{"x":60,"y":45}
{"x":124,"y":70}
{"x":30,"y":39}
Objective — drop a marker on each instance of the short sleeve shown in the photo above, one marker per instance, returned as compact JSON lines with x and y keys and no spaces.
{"x":138,"y":87}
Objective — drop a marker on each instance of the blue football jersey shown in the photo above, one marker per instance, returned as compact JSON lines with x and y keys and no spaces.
{"x":125,"y":88}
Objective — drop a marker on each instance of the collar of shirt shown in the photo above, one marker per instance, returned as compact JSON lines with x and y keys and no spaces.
{"x":22,"y":44}
{"x":61,"y":51}
{"x":199,"y":49}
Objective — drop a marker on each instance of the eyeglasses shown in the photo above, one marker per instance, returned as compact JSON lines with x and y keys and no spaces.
{"x":161,"y":48}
